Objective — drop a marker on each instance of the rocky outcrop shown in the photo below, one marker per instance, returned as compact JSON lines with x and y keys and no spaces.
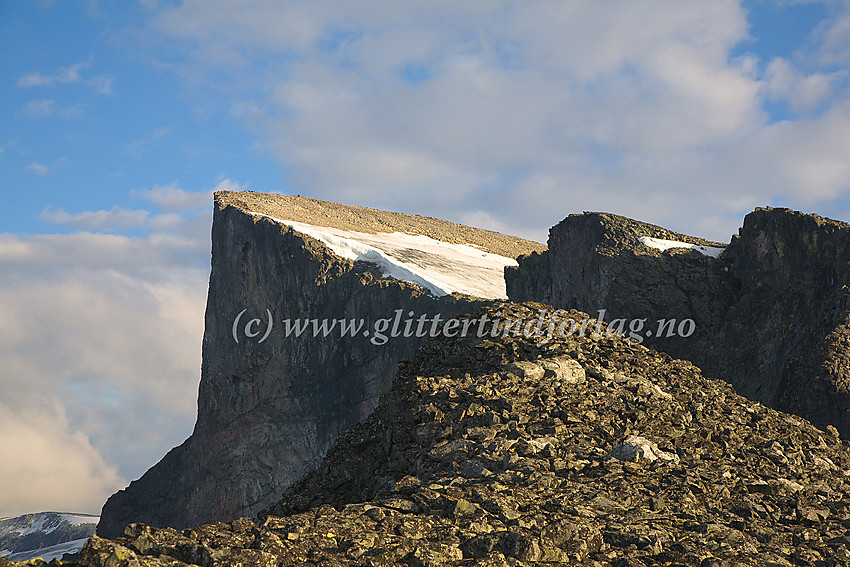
{"x":268,"y":410}
{"x":771,"y":313}
{"x":511,"y":450}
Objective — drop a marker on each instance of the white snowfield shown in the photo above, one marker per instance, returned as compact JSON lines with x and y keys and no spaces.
{"x":661,"y":244}
{"x":48,"y":553}
{"x":440,"y":267}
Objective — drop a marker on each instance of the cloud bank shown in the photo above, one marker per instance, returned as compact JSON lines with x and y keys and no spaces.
{"x":100,"y":338}
{"x":523,"y":113}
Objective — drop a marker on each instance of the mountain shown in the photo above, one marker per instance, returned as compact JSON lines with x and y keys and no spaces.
{"x":508,"y":432}
{"x":268,"y":410}
{"x":527,"y":450}
{"x":47,"y":535}
{"x":771,"y":313}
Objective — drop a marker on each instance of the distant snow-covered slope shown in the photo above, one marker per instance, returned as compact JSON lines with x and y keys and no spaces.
{"x":47,"y":535}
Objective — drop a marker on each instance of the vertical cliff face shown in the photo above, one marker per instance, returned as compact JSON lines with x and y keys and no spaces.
{"x":771,"y":312}
{"x":269,"y":410}
{"x":786,"y":336}
{"x":596,"y":261}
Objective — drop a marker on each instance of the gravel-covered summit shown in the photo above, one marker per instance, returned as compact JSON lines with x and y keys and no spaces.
{"x":525,"y":451}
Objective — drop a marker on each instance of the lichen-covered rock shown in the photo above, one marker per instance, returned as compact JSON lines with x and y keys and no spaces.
{"x":636,"y":448}
{"x":716,"y":489}
{"x":104,"y":553}
{"x":563,"y":369}
{"x":747,"y":486}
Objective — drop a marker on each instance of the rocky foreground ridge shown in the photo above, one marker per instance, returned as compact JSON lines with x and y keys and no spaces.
{"x":525,"y":451}
{"x":772,"y":313}
{"x":269,"y":410}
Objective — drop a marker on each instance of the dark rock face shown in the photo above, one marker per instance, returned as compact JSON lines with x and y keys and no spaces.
{"x":268,"y":412}
{"x":521,"y":451}
{"x":792,"y":320}
{"x":595,"y":262}
{"x":771,"y":314}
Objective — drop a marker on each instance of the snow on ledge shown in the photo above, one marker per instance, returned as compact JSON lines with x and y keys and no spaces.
{"x":661,"y":244}
{"x":440,"y":267}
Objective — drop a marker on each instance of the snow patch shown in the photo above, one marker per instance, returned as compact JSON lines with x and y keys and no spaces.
{"x":662,"y":244}
{"x":80,"y":519}
{"x":440,"y":267}
{"x":44,"y":523}
{"x":51,"y":552}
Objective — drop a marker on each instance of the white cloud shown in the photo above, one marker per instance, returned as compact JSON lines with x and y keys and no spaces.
{"x":70,"y":74}
{"x":37,"y":108}
{"x":114,"y":219}
{"x":38,"y":168}
{"x":815,"y":155}
{"x":165,"y":222}
{"x":47,"y":466}
{"x":536,"y":110}
{"x":188,"y":245}
{"x":804,"y":92}
{"x":119,"y":350}
{"x":102,"y":84}
{"x":100,"y":338}
{"x":41,"y":169}
{"x":833,"y":46}
{"x":281,"y":25}
{"x":483,"y":219}
{"x":147,"y":143}
{"x":172,"y":198}
{"x":48,"y":107}
{"x":102,"y":334}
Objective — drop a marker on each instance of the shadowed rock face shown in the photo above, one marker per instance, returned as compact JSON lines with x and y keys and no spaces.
{"x":268,"y":412}
{"x":771,"y":313}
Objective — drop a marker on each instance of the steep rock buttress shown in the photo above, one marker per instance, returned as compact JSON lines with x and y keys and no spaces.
{"x":772,"y":313}
{"x":268,"y":411}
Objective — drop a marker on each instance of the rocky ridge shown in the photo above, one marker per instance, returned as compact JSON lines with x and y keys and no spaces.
{"x":772,"y":313}
{"x":526,"y":450}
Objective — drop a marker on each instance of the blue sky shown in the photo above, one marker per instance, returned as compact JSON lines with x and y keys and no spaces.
{"x":119,"y":119}
{"x":95,"y":115}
